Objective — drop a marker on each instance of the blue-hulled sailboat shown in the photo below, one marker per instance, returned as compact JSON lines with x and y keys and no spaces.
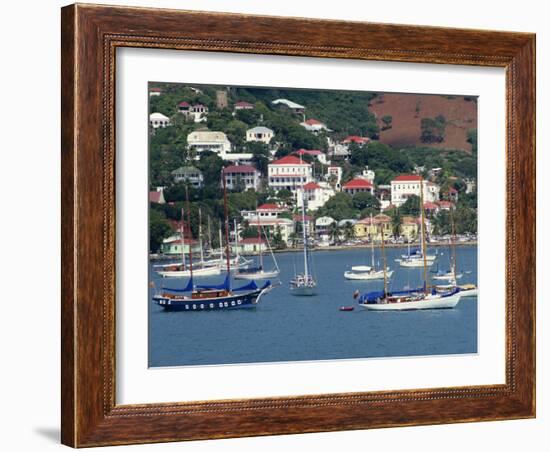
{"x":212,"y":297}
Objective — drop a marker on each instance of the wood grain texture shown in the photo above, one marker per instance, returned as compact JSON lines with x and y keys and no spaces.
{"x":90,"y":36}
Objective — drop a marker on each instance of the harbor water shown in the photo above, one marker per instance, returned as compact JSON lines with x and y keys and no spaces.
{"x":284,"y":327}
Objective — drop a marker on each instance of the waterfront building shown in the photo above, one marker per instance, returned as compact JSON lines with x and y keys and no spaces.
{"x":241,"y":177}
{"x":260,"y":133}
{"x":157,"y":120}
{"x":410,"y":228}
{"x":251,"y":245}
{"x":172,"y":245}
{"x":289,"y":173}
{"x":406,"y":185}
{"x":369,"y":228}
{"x":323,"y":226}
{"x":190,"y":175}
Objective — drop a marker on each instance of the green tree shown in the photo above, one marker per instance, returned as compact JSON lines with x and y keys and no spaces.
{"x":387,"y":120}
{"x":432,"y":130}
{"x":411,"y":206}
{"x":159,"y":229}
{"x":366,"y":203}
{"x":339,"y":207}
{"x":396,"y":222}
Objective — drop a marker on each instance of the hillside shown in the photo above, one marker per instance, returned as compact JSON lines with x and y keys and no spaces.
{"x":407,"y":112}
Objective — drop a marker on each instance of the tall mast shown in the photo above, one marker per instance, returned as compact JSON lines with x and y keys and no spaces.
{"x":209,"y":236}
{"x":453,"y":246}
{"x":200,"y":237}
{"x":260,"y":257}
{"x":384,"y":259}
{"x":304,"y":234}
{"x":423,"y":233}
{"x":227,"y":248}
{"x":189,"y":225}
{"x":236,"y":240}
{"x":371,"y":245}
{"x":182,"y":230}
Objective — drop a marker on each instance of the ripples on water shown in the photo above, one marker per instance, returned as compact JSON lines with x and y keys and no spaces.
{"x":284,"y":327}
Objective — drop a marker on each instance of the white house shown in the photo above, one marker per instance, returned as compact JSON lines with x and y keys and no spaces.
{"x":273,"y":225}
{"x":314,"y":126}
{"x":296,"y":108}
{"x":358,"y":185}
{"x":316,"y":153}
{"x":153,"y":92}
{"x":237,"y":158}
{"x":289,"y":173}
{"x":197,"y":112}
{"x":159,"y":120}
{"x":316,"y":195}
{"x":188,"y":174}
{"x":406,"y":185}
{"x":241,"y":177}
{"x":260,"y":133}
{"x":206,"y":140}
{"x":368,"y":174}
{"x":322,"y":227}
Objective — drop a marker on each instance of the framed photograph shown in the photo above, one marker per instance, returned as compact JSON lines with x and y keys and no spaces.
{"x":281,"y":225}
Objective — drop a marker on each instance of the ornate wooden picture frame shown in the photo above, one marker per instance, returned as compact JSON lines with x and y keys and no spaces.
{"x":90,"y":37}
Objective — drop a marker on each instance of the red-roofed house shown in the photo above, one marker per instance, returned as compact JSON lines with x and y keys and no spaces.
{"x":241,"y":177}
{"x":155,"y":92}
{"x":314,"y":126}
{"x":289,"y":173}
{"x":316,"y":195}
{"x":358,"y":185}
{"x":157,"y":197}
{"x":431,"y":207}
{"x":243,"y":105}
{"x":356,"y":139}
{"x":407,"y":185}
{"x":445,"y":205}
{"x":316,"y":153}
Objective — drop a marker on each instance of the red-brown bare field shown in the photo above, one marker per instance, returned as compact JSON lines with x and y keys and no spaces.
{"x":407,"y":111}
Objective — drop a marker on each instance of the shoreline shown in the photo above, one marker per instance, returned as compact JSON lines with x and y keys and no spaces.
{"x":367,"y":245}
{"x":333,"y":248}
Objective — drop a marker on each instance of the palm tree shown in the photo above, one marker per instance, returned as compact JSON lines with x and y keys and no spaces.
{"x":349,"y":231}
{"x":396,"y":222}
{"x":334,"y":232}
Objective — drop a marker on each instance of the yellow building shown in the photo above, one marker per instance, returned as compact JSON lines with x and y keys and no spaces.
{"x":410,"y":228}
{"x":368,"y":228}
